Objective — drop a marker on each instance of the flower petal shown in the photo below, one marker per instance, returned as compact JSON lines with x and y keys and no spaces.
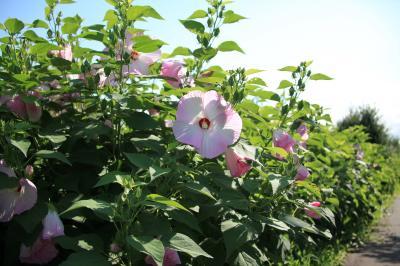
{"x":41,"y":252}
{"x":213,"y":144}
{"x":190,"y":107}
{"x":52,"y":225}
{"x":186,"y":133}
{"x":213,"y":104}
{"x":229,"y":125}
{"x":27,"y":196}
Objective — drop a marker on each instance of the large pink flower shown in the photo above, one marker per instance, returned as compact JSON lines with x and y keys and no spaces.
{"x":140,"y":62}
{"x":207,"y":122}
{"x":303,"y":132}
{"x":30,"y":111}
{"x":52,"y":225}
{"x":236,"y":163}
{"x":16,"y":200}
{"x":173,"y":69}
{"x":302,"y":173}
{"x":41,"y":252}
{"x":311,"y":213}
{"x":283,"y":140}
{"x":171,"y":258}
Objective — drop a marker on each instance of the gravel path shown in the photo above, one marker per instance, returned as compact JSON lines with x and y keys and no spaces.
{"x":384,"y":246}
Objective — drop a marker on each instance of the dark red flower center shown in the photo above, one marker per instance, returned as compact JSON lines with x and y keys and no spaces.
{"x":135,"y":55}
{"x":204,"y":123}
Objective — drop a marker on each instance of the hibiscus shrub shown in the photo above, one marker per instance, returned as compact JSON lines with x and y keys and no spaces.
{"x":129,"y":156}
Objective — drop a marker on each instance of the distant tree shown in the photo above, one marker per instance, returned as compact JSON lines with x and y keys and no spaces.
{"x":368,"y":117}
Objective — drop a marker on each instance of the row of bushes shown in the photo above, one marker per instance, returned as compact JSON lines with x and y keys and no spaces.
{"x":131,"y":156}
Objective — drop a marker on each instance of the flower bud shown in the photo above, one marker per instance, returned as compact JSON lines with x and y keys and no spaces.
{"x":29,"y":170}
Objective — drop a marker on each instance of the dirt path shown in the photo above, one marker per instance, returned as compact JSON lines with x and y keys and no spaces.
{"x":384,"y":247}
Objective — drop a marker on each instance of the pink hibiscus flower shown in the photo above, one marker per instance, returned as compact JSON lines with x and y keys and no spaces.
{"x":16,"y":200}
{"x":41,"y":252}
{"x":52,"y":225}
{"x":312,"y":213}
{"x":30,"y":111}
{"x":171,"y":258}
{"x":173,"y":69}
{"x":302,"y":173}
{"x":283,"y":140}
{"x":236,"y":163}
{"x":207,"y":122}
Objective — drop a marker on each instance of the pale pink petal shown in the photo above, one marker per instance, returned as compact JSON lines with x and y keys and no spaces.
{"x":171,"y":258}
{"x":213,"y":144}
{"x":186,"y":133}
{"x":190,"y":107}
{"x":52,"y":226}
{"x":27,"y":196}
{"x":41,"y":252}
{"x":169,"y":123}
{"x":214,"y":104}
{"x":5,"y":169}
{"x":303,"y":132}
{"x":66,"y":53}
{"x":237,"y":165}
{"x":229,"y":125}
{"x":17,"y":106}
{"x":152,"y":57}
{"x":173,"y":69}
{"x":302,"y":173}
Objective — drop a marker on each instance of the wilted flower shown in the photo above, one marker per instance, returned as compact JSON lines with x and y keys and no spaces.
{"x":16,"y":200}
{"x":171,"y":258}
{"x":312,"y":213}
{"x":283,"y":140}
{"x":236,"y":163}
{"x":52,"y":225}
{"x":173,"y":69}
{"x":41,"y":252}
{"x":207,"y":122}
{"x":302,"y":173}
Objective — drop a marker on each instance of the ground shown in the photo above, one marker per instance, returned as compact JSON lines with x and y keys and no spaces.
{"x":384,"y":247}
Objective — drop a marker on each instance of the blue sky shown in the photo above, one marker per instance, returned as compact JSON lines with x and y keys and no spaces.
{"x":357,"y":42}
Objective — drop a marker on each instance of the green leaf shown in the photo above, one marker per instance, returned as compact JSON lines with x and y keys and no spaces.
{"x":86,"y":258}
{"x":23,"y":145}
{"x":8,"y":182}
{"x":285,"y":84}
{"x":43,"y":48}
{"x":277,"y":224}
{"x":32,"y":36}
{"x":148,"y":245}
{"x":236,"y":234}
{"x":139,"y":120}
{"x":232,"y":17}
{"x":147,"y":45}
{"x":98,"y":206}
{"x":257,"y":81}
{"x":278,"y":151}
{"x":230,"y":46}
{"x":244,"y":259}
{"x":156,"y":171}
{"x":181,"y":51}
{"x":288,"y":68}
{"x":252,"y":71}
{"x":137,"y":12}
{"x":198,"y":14}
{"x":266,"y":95}
{"x":113,"y":177}
{"x":39,"y":24}
{"x":32,"y":218}
{"x":185,"y":244}
{"x":320,"y":76}
{"x":53,"y":155}
{"x":88,"y":242}
{"x":71,"y":25}
{"x":61,"y":63}
{"x":279,"y":183}
{"x":139,"y":160}
{"x":165,"y":201}
{"x":199,"y":188}
{"x":211,"y":80}
{"x":14,"y":25}
{"x":56,"y":139}
{"x":193,"y":26}
{"x":111,"y":17}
